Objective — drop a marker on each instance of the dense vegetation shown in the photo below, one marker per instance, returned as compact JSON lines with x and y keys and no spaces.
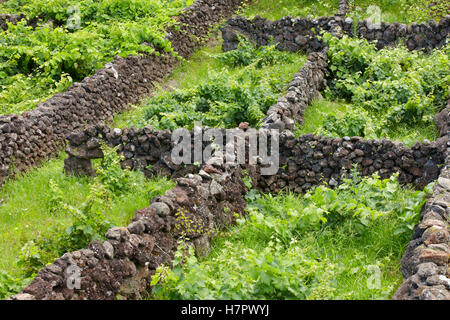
{"x":343,"y":243}
{"x":73,"y":39}
{"x":326,"y":244}
{"x":405,"y":11}
{"x":393,"y":92}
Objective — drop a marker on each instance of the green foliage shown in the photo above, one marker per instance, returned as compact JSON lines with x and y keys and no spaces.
{"x":37,"y":62}
{"x":319,"y":246}
{"x":226,"y":97}
{"x":247,"y":53}
{"x":10,"y":285}
{"x":110,"y":173}
{"x":45,"y":213}
{"x":389,"y":88}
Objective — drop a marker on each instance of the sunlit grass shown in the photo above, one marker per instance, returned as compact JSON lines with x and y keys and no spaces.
{"x":276,"y":9}
{"x":198,"y":69}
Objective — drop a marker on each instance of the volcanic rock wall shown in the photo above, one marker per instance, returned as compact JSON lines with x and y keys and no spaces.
{"x":28,"y":139}
{"x":123,"y":265}
{"x":294,"y":34}
{"x":426,"y":261}
{"x":306,"y":85}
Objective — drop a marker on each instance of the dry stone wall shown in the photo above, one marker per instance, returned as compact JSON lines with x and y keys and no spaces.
{"x":294,"y":34}
{"x":124,"y":263}
{"x":28,"y":139}
{"x":343,"y":8}
{"x":426,"y":261}
{"x":209,"y":195}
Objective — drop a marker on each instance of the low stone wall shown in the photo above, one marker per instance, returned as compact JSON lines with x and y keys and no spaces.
{"x":426,"y":262}
{"x":311,"y":160}
{"x":300,"y":34}
{"x":145,"y":149}
{"x":28,"y":139}
{"x":306,"y":85}
{"x":210,"y":195}
{"x":123,"y":265}
{"x":442,"y":119}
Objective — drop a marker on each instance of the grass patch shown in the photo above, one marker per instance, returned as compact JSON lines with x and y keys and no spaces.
{"x":344,"y":243}
{"x":29,"y":212}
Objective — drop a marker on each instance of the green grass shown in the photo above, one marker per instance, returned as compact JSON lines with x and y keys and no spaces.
{"x":276,"y":9}
{"x":36,"y":63}
{"x":327,"y":244}
{"x":405,"y":11}
{"x":316,"y":113}
{"x":25,"y":206}
{"x":319,"y":109}
{"x":204,"y":66}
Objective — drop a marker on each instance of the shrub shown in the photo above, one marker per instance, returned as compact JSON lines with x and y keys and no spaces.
{"x":394,"y":86}
{"x":317,"y":246}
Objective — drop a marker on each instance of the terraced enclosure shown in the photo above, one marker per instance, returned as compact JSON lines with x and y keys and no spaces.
{"x":358,"y":207}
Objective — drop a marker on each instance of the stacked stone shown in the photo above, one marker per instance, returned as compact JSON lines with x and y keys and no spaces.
{"x":34,"y":136}
{"x":144,"y":149}
{"x":300,"y":34}
{"x":426,"y":261}
{"x":6,"y":18}
{"x":442,"y":119}
{"x":311,"y":160}
{"x":306,"y":85}
{"x":123,"y":265}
